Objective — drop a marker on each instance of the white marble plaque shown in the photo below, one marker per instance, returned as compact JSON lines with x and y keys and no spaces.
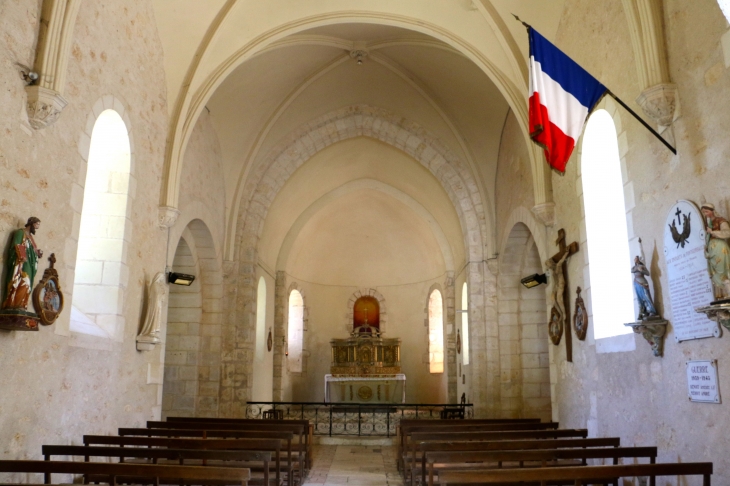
{"x":702,"y":381}
{"x":689,"y":281}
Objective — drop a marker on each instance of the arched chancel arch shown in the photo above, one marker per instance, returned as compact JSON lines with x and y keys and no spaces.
{"x":194,"y":95}
{"x":356,"y":121}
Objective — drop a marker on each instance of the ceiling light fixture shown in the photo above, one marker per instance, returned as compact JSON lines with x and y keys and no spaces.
{"x":358,"y":55}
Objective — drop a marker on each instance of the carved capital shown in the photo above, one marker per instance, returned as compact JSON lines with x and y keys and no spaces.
{"x":659,"y":103}
{"x":653,"y":330}
{"x":545,"y":212}
{"x":167,"y":216}
{"x":44,"y":106}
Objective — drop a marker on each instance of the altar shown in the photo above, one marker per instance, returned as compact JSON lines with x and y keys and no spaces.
{"x":365,"y":389}
{"x":365,"y":369}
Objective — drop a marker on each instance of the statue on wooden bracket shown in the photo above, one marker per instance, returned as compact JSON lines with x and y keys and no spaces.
{"x":22,"y":266}
{"x":649,"y":323}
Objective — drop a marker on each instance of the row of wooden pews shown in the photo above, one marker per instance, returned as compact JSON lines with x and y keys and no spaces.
{"x":181,"y":451}
{"x":524,"y":451}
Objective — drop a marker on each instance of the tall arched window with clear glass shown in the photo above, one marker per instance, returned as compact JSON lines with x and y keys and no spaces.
{"x":605,"y":215}
{"x":436,"y":332}
{"x":101,"y":274}
{"x":295,"y":331}
{"x":725,"y":7}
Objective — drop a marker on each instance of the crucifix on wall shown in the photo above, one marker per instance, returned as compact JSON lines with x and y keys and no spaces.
{"x":559,"y":319}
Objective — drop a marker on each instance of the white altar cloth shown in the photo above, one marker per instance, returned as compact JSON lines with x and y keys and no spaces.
{"x":386,"y":388}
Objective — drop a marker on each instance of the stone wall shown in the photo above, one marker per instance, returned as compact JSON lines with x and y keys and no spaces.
{"x":58,"y":385}
{"x":632,"y":394}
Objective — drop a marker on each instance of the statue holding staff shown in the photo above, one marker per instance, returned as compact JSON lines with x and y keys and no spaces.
{"x":22,"y":261}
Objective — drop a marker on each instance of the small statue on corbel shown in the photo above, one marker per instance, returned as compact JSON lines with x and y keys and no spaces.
{"x":149,"y":334}
{"x":649,"y":323}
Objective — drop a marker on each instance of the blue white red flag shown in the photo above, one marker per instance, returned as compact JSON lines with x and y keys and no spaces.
{"x":562,"y":94}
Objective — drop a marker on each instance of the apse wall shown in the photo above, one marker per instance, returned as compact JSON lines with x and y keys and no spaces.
{"x":374,"y":219}
{"x":632,"y":394}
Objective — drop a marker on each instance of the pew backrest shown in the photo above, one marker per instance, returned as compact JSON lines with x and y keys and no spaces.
{"x":112,"y":471}
{"x":579,"y":475}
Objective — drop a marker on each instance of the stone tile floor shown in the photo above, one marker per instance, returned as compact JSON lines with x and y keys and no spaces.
{"x":355,"y":465}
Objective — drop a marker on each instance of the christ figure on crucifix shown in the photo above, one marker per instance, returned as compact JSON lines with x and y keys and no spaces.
{"x":556,"y":272}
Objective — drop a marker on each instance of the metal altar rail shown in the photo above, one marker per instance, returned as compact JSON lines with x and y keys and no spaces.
{"x":356,"y":419}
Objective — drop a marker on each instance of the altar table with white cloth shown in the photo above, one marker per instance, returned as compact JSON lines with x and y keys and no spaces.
{"x":365,"y":389}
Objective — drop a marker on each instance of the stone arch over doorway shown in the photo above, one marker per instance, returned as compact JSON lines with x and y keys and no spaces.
{"x":523,"y":339}
{"x":193,"y":346}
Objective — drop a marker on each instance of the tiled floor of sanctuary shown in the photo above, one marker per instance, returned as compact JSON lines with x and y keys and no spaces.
{"x":355,"y":465}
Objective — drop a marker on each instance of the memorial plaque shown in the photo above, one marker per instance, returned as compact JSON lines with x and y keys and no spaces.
{"x":702,"y":381}
{"x":689,"y":281}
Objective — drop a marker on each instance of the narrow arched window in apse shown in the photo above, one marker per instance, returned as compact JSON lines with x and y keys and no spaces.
{"x":436,"y":332}
{"x":260,"y":352}
{"x":464,"y":325}
{"x":295,"y":331}
{"x":605,"y":215}
{"x":101,"y":274}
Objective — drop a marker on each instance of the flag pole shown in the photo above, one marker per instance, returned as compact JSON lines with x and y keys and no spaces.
{"x":620,"y":102}
{"x":641,"y":120}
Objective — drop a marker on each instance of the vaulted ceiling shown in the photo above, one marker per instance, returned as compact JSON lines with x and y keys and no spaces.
{"x":298,"y":77}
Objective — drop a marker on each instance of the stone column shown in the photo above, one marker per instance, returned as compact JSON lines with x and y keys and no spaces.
{"x":484,"y":338}
{"x":450,"y":321}
{"x":280,"y":303}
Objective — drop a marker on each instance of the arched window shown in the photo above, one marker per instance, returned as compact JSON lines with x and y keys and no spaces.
{"x":725,"y":7}
{"x":296,"y":331}
{"x":608,"y":242}
{"x":436,"y":332}
{"x":464,"y":325}
{"x":101,"y":274}
{"x":366,"y":312}
{"x":261,"y":320}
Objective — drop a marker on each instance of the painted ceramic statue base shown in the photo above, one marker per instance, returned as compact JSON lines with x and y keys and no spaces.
{"x":653,"y":329}
{"x":718,"y":311}
{"x":19,"y":320}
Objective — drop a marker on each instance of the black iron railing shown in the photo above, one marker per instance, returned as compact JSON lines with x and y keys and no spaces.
{"x":359,"y":419}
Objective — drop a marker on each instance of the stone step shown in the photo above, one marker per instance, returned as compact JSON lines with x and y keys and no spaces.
{"x":353,"y":440}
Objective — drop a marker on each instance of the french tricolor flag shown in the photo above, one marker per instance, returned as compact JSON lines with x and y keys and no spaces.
{"x":561,"y":95}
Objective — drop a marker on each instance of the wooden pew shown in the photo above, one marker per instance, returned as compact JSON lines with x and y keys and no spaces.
{"x":145,"y":473}
{"x":447,"y":423}
{"x":407,"y":430}
{"x":575,"y":476}
{"x":440,"y":462}
{"x":253,"y":460}
{"x":301,"y":429}
{"x":269,"y":445}
{"x":505,"y":445}
{"x":309,"y":437}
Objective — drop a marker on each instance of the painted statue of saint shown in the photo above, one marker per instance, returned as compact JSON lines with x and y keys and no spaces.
{"x":717,"y":251}
{"x":22,"y":261}
{"x":641,"y":287}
